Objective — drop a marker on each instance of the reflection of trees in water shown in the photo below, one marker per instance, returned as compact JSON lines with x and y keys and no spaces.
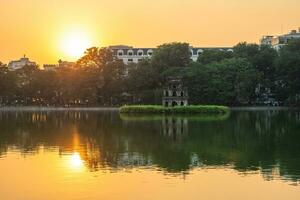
{"x":265,"y":141}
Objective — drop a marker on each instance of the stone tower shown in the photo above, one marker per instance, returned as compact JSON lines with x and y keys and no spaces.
{"x":174,"y":94}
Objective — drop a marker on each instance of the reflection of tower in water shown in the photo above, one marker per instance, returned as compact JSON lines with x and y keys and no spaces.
{"x":175,"y":128}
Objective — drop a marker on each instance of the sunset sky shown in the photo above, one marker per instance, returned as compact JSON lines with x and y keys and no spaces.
{"x":47,"y":30}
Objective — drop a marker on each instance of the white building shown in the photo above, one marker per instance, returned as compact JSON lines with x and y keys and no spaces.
{"x":19,"y":64}
{"x":133,"y":55}
{"x":278,"y":41}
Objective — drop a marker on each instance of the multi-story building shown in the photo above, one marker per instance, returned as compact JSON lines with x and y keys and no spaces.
{"x":19,"y":64}
{"x":130,"y":54}
{"x":278,"y":41}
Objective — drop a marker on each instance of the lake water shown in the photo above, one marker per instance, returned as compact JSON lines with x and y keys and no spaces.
{"x":101,"y":155}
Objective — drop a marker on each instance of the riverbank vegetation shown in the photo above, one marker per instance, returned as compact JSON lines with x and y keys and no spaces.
{"x":200,"y":109}
{"x":250,"y":75}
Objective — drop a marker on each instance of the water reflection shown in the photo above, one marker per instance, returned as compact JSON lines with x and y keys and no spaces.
{"x":75,"y":161}
{"x":264,"y":141}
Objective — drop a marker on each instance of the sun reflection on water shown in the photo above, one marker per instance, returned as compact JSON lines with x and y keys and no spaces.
{"x":75,"y":162}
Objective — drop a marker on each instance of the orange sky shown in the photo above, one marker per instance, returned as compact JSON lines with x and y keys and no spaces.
{"x":40,"y":28}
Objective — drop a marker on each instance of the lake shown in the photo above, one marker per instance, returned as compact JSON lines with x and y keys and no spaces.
{"x":252,"y":154}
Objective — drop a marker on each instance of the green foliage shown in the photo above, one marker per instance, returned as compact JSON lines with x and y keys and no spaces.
{"x":218,"y":77}
{"x":96,"y":57}
{"x":209,"y":56}
{"x":288,"y":70}
{"x":261,"y":57}
{"x":248,"y":51}
{"x":7,"y":85}
{"x":192,"y":109}
{"x":230,"y":82}
{"x":171,"y":55}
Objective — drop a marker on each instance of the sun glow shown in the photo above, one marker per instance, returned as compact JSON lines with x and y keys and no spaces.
{"x":74,"y":44}
{"x":75,"y":161}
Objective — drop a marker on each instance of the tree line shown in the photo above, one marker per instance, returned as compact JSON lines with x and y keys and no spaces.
{"x":249,"y":75}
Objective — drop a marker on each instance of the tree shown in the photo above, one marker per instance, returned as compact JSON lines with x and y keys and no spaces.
{"x":8,"y":86}
{"x":230,"y":82}
{"x":213,"y":55}
{"x":109,"y":74}
{"x":142,"y":81}
{"x":261,"y":57}
{"x":2,"y":65}
{"x":113,"y":75}
{"x":45,"y":87}
{"x":288,"y":70}
{"x":171,"y":55}
{"x":247,"y":51}
{"x":263,"y":60}
{"x":96,"y":57}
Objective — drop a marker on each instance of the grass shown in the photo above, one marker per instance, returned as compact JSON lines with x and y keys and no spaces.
{"x":192,"y":109}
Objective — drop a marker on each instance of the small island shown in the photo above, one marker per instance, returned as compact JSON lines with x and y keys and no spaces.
{"x":175,"y":101}
{"x":191,"y":109}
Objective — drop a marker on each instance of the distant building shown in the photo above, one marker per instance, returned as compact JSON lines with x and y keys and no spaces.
{"x":130,"y":54}
{"x":19,"y":64}
{"x":66,"y":64}
{"x":174,"y":94}
{"x":61,"y":64}
{"x":50,"y":67}
{"x":266,"y":40}
{"x":278,"y":41}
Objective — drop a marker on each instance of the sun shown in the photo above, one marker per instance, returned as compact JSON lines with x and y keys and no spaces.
{"x":74,"y":44}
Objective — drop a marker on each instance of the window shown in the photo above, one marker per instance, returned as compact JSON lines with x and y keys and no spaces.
{"x":130,"y":53}
{"x":139,"y":60}
{"x":140,"y":53}
{"x":120,"y":52}
{"x":150,"y":52}
{"x":199,"y":52}
{"x":130,"y":60}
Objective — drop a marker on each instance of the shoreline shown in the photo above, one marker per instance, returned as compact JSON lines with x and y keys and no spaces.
{"x":262,"y":108}
{"x":45,"y":108}
{"x":52,"y":108}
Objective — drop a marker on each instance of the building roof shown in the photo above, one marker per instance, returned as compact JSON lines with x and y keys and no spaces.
{"x":125,"y":49}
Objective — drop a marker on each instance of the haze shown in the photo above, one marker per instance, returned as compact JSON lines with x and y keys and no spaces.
{"x":39,"y":28}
